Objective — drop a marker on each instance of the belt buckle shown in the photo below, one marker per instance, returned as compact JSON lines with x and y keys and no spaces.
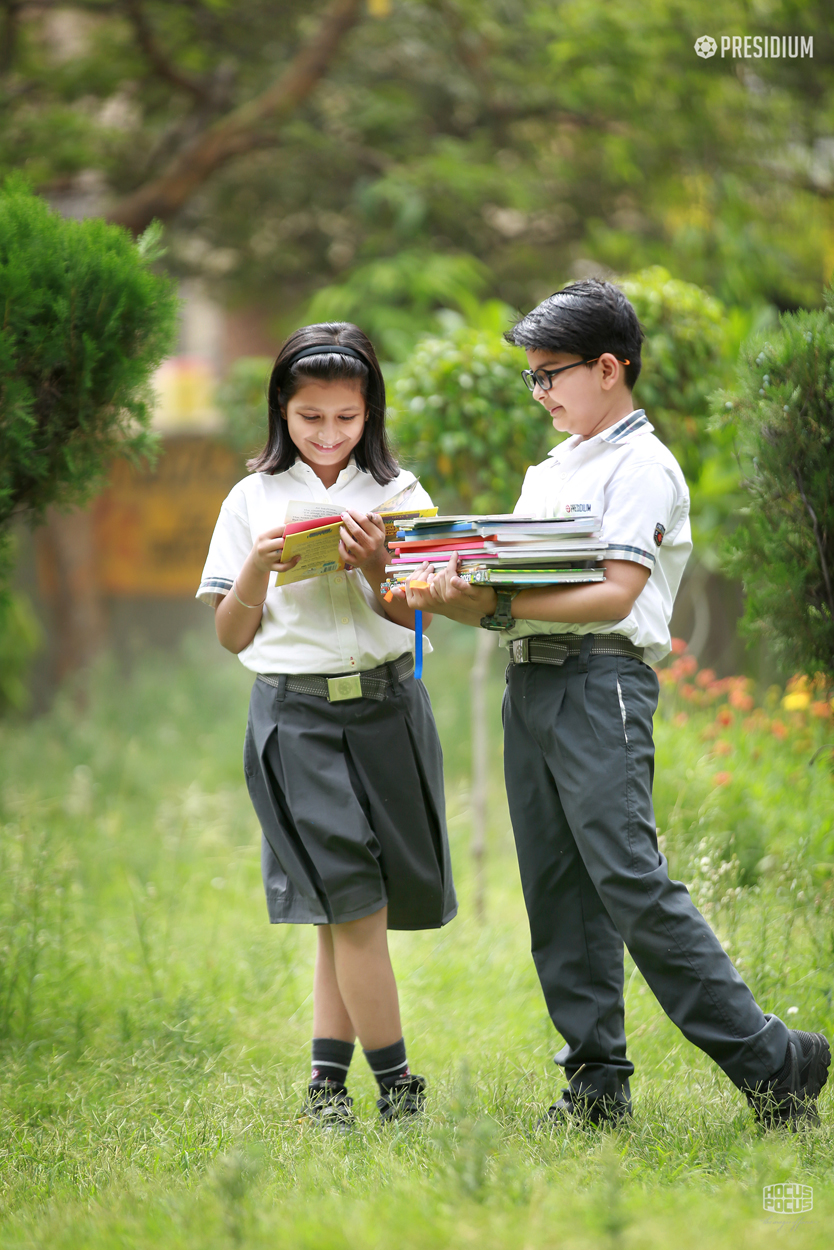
{"x":349,"y":687}
{"x":521,"y":650}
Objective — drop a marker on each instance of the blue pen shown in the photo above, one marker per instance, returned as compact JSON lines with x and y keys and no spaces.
{"x":418,"y":643}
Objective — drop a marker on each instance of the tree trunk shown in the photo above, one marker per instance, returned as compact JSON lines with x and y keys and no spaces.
{"x":484,"y":646}
{"x":80,"y":622}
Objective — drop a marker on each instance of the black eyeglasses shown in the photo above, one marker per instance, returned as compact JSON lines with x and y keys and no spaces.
{"x":543,"y":378}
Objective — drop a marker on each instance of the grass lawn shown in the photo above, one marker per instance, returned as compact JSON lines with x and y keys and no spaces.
{"x":154,"y":1029}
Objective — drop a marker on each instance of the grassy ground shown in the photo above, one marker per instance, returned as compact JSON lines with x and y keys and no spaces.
{"x":154,"y":1028}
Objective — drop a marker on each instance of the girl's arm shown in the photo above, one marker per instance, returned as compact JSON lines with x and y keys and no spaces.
{"x":363,"y":547}
{"x":237,"y":617}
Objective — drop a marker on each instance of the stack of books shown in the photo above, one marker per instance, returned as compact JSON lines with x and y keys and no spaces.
{"x":501,"y":550}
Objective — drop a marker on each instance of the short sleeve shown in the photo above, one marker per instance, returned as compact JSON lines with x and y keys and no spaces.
{"x":230,"y":544}
{"x":643,"y":507}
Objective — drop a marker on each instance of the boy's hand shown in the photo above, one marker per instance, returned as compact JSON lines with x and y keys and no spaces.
{"x":449,"y":595}
{"x":363,"y":542}
{"x":265,"y":556}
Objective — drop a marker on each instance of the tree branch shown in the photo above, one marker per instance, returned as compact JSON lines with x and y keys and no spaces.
{"x":237,"y":133}
{"x":156,"y":57}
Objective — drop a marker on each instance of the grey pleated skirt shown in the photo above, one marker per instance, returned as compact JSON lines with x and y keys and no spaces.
{"x":350,"y":800}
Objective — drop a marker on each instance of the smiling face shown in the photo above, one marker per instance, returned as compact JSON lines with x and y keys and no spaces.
{"x":585,"y":400}
{"x":326,"y":420}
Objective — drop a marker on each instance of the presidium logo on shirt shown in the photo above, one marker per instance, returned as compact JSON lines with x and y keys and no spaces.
{"x":576,"y":509}
{"x":659,"y":531}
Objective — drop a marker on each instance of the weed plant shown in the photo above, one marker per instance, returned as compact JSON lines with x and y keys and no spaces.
{"x":154,"y":1028}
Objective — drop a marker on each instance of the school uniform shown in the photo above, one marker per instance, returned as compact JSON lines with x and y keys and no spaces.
{"x":579,"y":763}
{"x":348,"y":791}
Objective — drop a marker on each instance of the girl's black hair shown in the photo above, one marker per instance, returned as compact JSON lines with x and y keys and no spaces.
{"x":372,"y":452}
{"x":584,"y":319}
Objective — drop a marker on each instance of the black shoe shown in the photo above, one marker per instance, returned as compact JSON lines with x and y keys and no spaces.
{"x":405,"y":1098}
{"x":791,"y":1098}
{"x":328,"y":1104}
{"x":571,"y":1109}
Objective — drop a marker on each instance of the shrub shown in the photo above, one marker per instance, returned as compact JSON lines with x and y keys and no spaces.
{"x":85,"y":322}
{"x":782,"y":412}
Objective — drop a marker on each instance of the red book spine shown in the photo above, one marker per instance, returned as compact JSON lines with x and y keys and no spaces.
{"x":298,"y":527}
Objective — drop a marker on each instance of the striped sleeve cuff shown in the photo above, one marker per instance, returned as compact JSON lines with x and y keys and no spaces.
{"x":212,"y":589}
{"x":620,"y":551}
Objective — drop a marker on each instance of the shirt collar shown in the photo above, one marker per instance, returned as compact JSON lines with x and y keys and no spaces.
{"x":300,"y":470}
{"x":615,"y":434}
{"x":624,"y":429}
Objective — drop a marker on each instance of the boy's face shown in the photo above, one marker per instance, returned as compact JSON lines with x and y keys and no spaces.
{"x":584,"y":400}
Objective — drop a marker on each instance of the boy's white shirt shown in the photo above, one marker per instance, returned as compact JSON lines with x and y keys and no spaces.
{"x":327,"y":624}
{"x":636,"y":484}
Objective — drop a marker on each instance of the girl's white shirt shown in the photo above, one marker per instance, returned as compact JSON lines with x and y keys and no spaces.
{"x":328,"y":624}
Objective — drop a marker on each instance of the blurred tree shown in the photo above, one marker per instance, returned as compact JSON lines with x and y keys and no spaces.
{"x":85,"y":322}
{"x":782,"y":411}
{"x":540,"y":137}
{"x":396,"y":298}
{"x":241,"y":398}
{"x":462,"y":418}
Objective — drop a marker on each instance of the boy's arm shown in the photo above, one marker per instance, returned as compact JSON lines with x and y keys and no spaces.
{"x":611,"y":600}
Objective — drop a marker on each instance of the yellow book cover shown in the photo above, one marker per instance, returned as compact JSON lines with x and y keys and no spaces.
{"x":318,"y":550}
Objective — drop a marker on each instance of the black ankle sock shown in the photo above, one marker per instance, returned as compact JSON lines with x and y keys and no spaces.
{"x":388,"y":1064}
{"x":331,"y":1060}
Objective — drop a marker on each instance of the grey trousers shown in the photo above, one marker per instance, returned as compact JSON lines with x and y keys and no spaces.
{"x":579,"y":765}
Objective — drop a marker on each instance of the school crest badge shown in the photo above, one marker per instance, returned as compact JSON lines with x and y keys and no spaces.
{"x":659,"y":531}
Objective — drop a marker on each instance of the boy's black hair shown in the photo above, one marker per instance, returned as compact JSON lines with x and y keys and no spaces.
{"x":585,"y":319}
{"x":372,"y":451}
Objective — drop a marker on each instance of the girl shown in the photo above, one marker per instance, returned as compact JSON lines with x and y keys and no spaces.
{"x":347,"y":784}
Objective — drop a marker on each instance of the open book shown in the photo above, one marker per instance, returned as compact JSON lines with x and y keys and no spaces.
{"x":312,"y":533}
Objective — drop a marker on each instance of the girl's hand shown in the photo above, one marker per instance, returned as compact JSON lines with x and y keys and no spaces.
{"x":265,"y":556}
{"x":363,"y":541}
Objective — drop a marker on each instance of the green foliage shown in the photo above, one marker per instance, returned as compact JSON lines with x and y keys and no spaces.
{"x":532,"y":135}
{"x":85,"y":322}
{"x":685,"y":358}
{"x":241,"y":398}
{"x":395,"y":299}
{"x":20,"y":639}
{"x":782,"y":409}
{"x":463,"y":419}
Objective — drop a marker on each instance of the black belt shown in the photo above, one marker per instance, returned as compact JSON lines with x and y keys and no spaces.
{"x":374,"y":683}
{"x":555,"y":648}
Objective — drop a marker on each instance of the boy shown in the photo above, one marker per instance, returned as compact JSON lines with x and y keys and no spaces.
{"x":578,"y":749}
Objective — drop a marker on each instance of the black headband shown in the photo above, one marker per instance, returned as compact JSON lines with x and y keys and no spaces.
{"x":327,"y":349}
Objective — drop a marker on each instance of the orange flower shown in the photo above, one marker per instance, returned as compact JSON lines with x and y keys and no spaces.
{"x":678,"y":646}
{"x":724,"y":716}
{"x":680,"y":720}
{"x":722,"y":779}
{"x":821,"y":709}
{"x":778,"y":729}
{"x":687,"y":665}
{"x":705,"y":678}
{"x":744,"y":702}
{"x":722,"y":747}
